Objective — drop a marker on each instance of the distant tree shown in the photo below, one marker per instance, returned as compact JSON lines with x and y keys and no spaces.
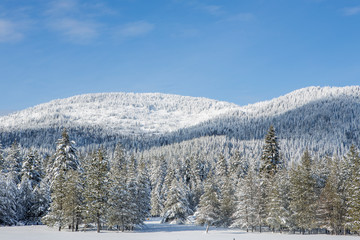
{"x":14,"y":162}
{"x":270,"y":158}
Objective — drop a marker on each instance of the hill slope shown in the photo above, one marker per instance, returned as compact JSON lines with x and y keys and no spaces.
{"x":310,"y":115}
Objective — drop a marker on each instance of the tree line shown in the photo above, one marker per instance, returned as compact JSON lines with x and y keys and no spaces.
{"x":119,"y":190}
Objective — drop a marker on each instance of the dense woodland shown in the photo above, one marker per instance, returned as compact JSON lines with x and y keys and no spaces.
{"x":114,"y":188}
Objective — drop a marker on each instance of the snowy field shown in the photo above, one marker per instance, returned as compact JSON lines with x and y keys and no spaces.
{"x":153,"y":231}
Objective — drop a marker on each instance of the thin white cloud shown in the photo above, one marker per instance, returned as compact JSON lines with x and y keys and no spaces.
{"x":213,"y":9}
{"x":135,"y":29}
{"x":61,"y":7}
{"x":241,"y":17}
{"x":351,"y":11}
{"x":9,"y":31}
{"x":75,"y":30}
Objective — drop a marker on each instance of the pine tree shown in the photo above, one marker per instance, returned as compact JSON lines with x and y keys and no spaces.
{"x":176,"y":206}
{"x":65,"y":159}
{"x":157,"y":177}
{"x":96,"y":188}
{"x":209,"y":207}
{"x":8,"y":200}
{"x":13,"y":162}
{"x":270,"y":158}
{"x":2,"y":160}
{"x":118,"y":212}
{"x":330,"y":210}
{"x":144,"y":192}
{"x":221,"y":170}
{"x":30,"y":180}
{"x":245,"y":215}
{"x":238,"y":167}
{"x":353,"y":191}
{"x":227,"y":203}
{"x":73,"y":201}
{"x":278,"y":204}
{"x":132,"y":189}
{"x":302,"y":194}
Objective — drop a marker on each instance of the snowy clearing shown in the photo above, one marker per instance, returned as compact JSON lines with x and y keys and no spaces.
{"x":153,"y":231}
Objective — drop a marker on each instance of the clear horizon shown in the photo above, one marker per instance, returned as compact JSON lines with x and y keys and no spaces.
{"x":240,"y":52}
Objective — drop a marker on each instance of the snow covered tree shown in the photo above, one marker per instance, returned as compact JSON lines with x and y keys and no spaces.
{"x":8,"y":200}
{"x":330,"y":211}
{"x":144,"y":191}
{"x":238,"y":167}
{"x":2,"y":160}
{"x":65,"y":159}
{"x":176,"y":206}
{"x":302,"y":194}
{"x":118,"y":212}
{"x":14,"y":161}
{"x":353,"y":191}
{"x":245,"y":215}
{"x":209,"y":207}
{"x":227,"y":203}
{"x":73,"y":200}
{"x":157,"y":177}
{"x":278,"y":204}
{"x":221,"y":170}
{"x":270,"y":158}
{"x":31,"y":174}
{"x":96,"y":188}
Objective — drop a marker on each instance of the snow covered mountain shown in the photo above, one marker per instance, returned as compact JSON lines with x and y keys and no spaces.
{"x":123,"y":113}
{"x":311,"y":114}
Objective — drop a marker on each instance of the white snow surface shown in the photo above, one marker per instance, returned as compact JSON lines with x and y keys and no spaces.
{"x":155,"y":113}
{"x":120,"y":112}
{"x":153,"y":230}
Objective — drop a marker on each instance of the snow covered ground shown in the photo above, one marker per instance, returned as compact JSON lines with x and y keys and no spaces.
{"x":153,"y":231}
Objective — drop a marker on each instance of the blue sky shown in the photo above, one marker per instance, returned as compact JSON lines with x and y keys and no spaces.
{"x":241,"y":51}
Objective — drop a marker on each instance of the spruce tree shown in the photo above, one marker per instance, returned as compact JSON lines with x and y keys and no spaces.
{"x":176,"y":206}
{"x":330,"y":209}
{"x":118,"y":212}
{"x":209,"y":207}
{"x":144,"y":192}
{"x":278,"y":204}
{"x":227,"y":203}
{"x":353,"y":191}
{"x":270,"y":158}
{"x":96,"y":188}
{"x":158,"y":173}
{"x":65,"y":159}
{"x":245,"y":215}
{"x":30,"y":180}
{"x":9,"y":195}
{"x":14,"y":162}
{"x":302,"y":194}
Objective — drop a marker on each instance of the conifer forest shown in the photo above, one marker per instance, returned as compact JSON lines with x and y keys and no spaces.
{"x":115,"y":188}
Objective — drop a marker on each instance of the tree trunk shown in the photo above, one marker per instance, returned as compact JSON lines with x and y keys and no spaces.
{"x":98,"y":222}
{"x":207,"y":228}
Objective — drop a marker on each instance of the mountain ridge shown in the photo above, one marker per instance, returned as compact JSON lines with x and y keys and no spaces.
{"x":154,"y":119}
